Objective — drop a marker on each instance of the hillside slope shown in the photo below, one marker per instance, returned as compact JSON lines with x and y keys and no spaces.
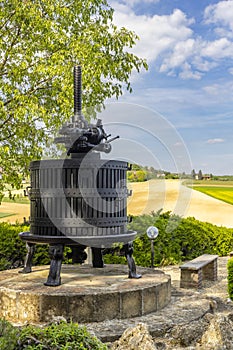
{"x":153,"y":195}
{"x":171,"y":195}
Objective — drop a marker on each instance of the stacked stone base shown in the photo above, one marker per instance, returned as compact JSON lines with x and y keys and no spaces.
{"x":86,"y":294}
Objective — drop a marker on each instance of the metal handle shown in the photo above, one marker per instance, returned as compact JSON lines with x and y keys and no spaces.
{"x":28,"y":194}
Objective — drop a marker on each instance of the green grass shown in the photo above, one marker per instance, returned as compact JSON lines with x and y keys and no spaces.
{"x":224,"y":193}
{"x":4,"y":215}
{"x":20,"y":200}
{"x":208,"y":183}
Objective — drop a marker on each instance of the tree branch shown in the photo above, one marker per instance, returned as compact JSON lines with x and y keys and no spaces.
{"x":10,"y":48}
{"x":30,"y":91}
{"x":7,"y":19}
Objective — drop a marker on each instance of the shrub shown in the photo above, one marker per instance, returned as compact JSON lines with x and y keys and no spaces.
{"x":13,"y":249}
{"x":179,"y":239}
{"x":63,"y":336}
{"x":8,"y":336}
{"x":230,"y":277}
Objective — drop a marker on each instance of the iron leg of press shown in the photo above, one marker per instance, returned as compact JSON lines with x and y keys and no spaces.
{"x":131,"y":263}
{"x":97,"y":258}
{"x":78,"y":254}
{"x":56,"y":255}
{"x":28,"y":260}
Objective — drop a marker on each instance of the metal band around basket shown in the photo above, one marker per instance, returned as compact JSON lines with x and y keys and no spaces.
{"x":77,"y":193}
{"x":78,"y":222}
{"x":75,"y":163}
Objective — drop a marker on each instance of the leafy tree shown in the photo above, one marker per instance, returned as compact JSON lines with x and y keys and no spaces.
{"x":200,"y":176}
{"x":136,"y":167}
{"x":41,"y":40}
{"x":193,"y":174}
{"x":141,"y":176}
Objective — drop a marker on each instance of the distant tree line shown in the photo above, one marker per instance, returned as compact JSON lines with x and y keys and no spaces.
{"x":139,"y":173}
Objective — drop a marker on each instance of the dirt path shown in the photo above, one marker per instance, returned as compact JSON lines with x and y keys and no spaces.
{"x":19,"y":210}
{"x":153,"y":195}
{"x":171,"y":195}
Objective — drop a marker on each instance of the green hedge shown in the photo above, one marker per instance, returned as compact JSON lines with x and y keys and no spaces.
{"x":230,"y":277}
{"x":63,"y":336}
{"x":179,"y":239}
{"x":13,"y":249}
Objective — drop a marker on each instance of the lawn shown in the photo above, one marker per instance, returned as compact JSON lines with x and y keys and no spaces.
{"x":20,"y":200}
{"x":4,"y":215}
{"x":224,"y":193}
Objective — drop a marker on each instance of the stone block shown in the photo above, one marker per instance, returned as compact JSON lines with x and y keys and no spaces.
{"x":194,"y":271}
{"x":81,"y":308}
{"x":191,"y":279}
{"x":106,"y":306}
{"x":163,"y":293}
{"x":28,"y":306}
{"x":52,"y":306}
{"x":131,"y":303}
{"x":95,"y":295}
{"x":210,"y":271}
{"x":149,"y":296}
{"x":8,"y":309}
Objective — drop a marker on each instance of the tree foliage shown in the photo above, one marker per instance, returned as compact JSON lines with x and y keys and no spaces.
{"x":40,"y":42}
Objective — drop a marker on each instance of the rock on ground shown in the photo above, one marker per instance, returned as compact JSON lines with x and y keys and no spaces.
{"x":136,"y":338}
{"x":212,"y":332}
{"x":219,"y":334}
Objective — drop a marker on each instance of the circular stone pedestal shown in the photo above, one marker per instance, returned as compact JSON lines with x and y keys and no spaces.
{"x":87,"y":294}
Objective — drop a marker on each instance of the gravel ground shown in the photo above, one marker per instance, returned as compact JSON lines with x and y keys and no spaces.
{"x":216,"y":289}
{"x":186,"y":306}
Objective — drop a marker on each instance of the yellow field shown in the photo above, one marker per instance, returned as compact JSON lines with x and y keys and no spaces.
{"x":171,"y":195}
{"x":153,"y":195}
{"x":16,"y":211}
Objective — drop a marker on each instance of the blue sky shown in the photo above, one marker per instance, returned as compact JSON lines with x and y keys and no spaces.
{"x":189,"y":49}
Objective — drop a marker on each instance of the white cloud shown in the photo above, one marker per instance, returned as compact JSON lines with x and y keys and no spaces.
{"x":182,"y":50}
{"x":169,"y":43}
{"x":220,"y":14}
{"x":212,"y":89}
{"x":221,"y":48}
{"x":157,"y":33}
{"x":179,"y":144}
{"x":202,"y":64}
{"x":223,"y":91}
{"x":230,"y":70}
{"x":213,"y":141}
{"x":187,"y":73}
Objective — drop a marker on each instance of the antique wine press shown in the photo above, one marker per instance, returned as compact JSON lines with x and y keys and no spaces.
{"x":79,"y":201}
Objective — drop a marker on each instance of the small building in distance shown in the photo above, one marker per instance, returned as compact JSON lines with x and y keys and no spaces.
{"x":206,"y":177}
{"x":203,"y":177}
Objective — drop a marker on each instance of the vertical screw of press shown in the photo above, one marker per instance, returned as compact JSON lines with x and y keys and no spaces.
{"x":77,"y":90}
